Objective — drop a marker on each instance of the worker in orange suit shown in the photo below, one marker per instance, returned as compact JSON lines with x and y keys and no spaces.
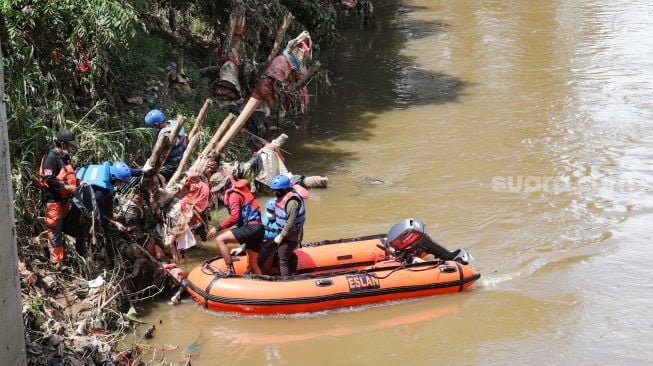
{"x":58,"y":183}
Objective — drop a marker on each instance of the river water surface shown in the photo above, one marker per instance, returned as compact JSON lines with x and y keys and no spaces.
{"x":521,"y":131}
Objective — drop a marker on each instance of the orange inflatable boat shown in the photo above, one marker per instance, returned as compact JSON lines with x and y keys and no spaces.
{"x":338,"y":273}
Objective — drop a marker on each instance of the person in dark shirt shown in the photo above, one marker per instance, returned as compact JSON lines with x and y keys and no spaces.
{"x":58,"y":183}
{"x":156,"y":119}
{"x":108,"y":179}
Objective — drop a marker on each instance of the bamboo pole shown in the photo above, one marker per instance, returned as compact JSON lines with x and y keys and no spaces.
{"x":236,"y":19}
{"x":281,"y":33}
{"x":200,"y":118}
{"x":192,"y":145}
{"x":219,"y":133}
{"x":280,"y":140}
{"x":237,"y":125}
{"x":200,"y":161}
{"x":191,"y":149}
{"x":236,"y":40}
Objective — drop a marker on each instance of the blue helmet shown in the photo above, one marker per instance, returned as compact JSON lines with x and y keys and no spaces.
{"x":280,"y":182}
{"x":154,"y":117}
{"x":270,"y":205}
{"x":121,"y":171}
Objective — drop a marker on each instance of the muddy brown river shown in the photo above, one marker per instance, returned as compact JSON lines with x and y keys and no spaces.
{"x":519,"y":130}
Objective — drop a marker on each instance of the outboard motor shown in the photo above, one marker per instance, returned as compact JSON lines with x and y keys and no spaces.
{"x":409,"y":236}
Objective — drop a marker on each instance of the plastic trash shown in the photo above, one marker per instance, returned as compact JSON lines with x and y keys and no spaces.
{"x":99,"y":281}
{"x":194,"y":347}
{"x":132,"y":314}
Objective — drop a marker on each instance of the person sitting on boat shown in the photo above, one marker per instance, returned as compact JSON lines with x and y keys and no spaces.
{"x":290,"y":215}
{"x":245,"y":214}
{"x":268,"y":247}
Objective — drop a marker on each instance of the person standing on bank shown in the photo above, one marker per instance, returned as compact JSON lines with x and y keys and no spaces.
{"x":58,"y":183}
{"x":290,"y":215}
{"x":104,"y":179}
{"x":245,"y":213}
{"x":156,"y":119}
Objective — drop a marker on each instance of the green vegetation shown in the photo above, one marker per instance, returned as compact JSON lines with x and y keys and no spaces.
{"x":74,"y":63}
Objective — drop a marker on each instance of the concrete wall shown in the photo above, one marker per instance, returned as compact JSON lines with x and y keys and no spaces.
{"x":12,"y":333}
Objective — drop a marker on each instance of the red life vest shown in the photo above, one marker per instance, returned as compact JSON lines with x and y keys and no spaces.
{"x":66,"y":176}
{"x":250,"y":210}
{"x":227,"y":175}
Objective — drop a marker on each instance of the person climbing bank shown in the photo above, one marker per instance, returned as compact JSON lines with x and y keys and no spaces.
{"x":104,"y":179}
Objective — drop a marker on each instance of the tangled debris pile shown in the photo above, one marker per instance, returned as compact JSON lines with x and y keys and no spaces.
{"x":71,"y":320}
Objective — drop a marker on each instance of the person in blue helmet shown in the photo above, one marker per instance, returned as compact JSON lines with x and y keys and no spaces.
{"x":102,"y":179}
{"x":105,"y":179}
{"x":156,"y":119}
{"x":290,"y":215}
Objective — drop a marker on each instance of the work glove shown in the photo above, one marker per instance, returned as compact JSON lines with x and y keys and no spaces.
{"x":237,"y":251}
{"x":278,"y":239}
{"x":120,"y":227}
{"x":147,"y":167}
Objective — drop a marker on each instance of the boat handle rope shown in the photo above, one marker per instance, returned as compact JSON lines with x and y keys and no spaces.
{"x":425,"y":268}
{"x":403,"y":266}
{"x":208,"y":269}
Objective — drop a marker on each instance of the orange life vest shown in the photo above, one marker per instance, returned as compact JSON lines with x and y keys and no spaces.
{"x":66,"y":176}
